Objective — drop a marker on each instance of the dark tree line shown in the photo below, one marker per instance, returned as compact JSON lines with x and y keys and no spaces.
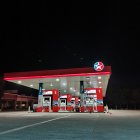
{"x":123,"y":98}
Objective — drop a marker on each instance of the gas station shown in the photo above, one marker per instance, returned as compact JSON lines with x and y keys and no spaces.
{"x":67,"y":90}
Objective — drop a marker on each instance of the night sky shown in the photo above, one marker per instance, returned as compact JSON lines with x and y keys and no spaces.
{"x":38,"y":36}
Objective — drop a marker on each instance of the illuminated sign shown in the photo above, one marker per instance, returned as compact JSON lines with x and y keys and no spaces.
{"x":63,"y":96}
{"x":90,"y":91}
{"x":98,"y":66}
{"x":47,"y":93}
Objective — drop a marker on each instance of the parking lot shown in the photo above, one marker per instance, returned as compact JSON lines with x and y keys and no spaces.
{"x":118,"y":125}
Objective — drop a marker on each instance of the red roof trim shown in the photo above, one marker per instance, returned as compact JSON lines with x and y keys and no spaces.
{"x":55,"y":76}
{"x":56,"y":73}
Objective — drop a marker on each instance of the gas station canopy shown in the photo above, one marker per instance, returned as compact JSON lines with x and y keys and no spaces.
{"x":66,"y":80}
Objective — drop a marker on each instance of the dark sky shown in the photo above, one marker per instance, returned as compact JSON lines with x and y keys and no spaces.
{"x":40,"y":36}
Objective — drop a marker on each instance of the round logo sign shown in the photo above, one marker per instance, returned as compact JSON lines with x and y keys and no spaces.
{"x":98,"y":66}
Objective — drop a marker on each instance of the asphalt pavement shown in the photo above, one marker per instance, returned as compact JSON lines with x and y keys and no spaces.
{"x":116,"y":125}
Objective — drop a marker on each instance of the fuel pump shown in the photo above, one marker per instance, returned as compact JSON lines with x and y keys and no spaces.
{"x":90,"y":98}
{"x":93,"y":100}
{"x":65,"y":102}
{"x":50,"y":100}
{"x":47,"y":101}
{"x":75,"y":104}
